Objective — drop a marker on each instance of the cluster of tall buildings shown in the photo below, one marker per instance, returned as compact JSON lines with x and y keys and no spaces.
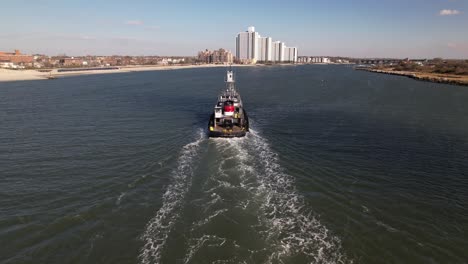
{"x":220,"y":56}
{"x":252,"y":48}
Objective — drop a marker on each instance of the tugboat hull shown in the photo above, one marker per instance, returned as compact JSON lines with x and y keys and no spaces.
{"x":217,"y":134}
{"x":231,"y":132}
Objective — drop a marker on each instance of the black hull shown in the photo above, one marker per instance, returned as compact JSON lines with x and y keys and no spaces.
{"x":216,"y":134}
{"x":229,"y":134}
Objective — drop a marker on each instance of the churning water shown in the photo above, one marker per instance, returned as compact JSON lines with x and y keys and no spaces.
{"x":241,"y":208}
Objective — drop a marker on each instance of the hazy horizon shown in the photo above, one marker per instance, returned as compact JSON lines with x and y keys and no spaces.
{"x":420,"y":29}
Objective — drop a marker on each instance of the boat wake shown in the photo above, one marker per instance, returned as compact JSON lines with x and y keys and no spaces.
{"x":243,"y":208}
{"x":159,"y":228}
{"x":293,"y":230}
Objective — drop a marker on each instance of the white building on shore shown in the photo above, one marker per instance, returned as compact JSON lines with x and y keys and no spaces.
{"x":251,"y":47}
{"x":264,"y":49}
{"x":321,"y":60}
{"x":247,"y":45}
{"x":290,"y":54}
{"x":278,"y":51}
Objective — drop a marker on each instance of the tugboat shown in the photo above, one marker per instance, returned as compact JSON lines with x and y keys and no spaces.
{"x":229,"y":119}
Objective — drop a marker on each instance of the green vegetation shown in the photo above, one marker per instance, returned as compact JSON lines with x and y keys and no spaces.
{"x":437,"y":65}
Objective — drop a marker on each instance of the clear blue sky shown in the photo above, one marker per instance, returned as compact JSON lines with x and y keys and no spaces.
{"x":357,"y":28}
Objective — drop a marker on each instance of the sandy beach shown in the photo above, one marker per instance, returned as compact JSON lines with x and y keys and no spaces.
{"x":7,"y":75}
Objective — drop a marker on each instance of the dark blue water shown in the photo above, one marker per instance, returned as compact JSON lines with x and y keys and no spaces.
{"x":341,"y":166}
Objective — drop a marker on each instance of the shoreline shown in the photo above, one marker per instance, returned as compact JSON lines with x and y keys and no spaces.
{"x":426,"y":77}
{"x":7,"y":75}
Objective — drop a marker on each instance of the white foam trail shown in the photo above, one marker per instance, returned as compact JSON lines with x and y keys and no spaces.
{"x":158,"y":228}
{"x":120,"y":198}
{"x":210,"y":240}
{"x":208,"y":219}
{"x":289,"y":229}
{"x":234,"y":164}
{"x":292,"y":230}
{"x":244,"y":167}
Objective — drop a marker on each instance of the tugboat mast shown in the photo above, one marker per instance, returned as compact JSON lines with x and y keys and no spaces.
{"x":230,"y":81}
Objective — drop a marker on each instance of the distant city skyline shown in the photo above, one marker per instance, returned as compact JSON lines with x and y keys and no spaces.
{"x":366,"y":28}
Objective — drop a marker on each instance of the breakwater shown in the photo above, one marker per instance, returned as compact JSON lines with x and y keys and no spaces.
{"x":428,"y":77}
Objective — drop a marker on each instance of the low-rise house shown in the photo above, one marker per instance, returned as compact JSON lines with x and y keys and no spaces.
{"x":17,"y":58}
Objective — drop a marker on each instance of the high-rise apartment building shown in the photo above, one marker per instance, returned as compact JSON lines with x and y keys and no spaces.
{"x":247,"y":45}
{"x":264,"y":49}
{"x":290,"y":54}
{"x":222,"y":56}
{"x":278,"y":51}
